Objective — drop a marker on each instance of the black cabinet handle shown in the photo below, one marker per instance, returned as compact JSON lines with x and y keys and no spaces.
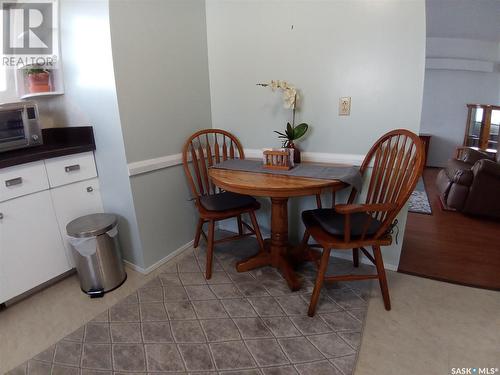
{"x":14,"y":181}
{"x":71,"y":168}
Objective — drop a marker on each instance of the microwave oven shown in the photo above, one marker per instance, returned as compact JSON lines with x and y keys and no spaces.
{"x":19,"y":126}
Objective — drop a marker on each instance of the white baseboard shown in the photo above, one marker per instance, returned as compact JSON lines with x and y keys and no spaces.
{"x":162,"y":261}
{"x":230,"y":225}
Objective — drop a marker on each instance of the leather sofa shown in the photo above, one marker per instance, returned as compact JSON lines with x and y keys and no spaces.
{"x":470,"y":183}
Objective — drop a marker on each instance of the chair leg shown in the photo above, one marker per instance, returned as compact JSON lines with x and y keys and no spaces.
{"x":320,"y":277}
{"x":210,"y":249}
{"x":305,"y":239}
{"x":355,"y":257}
{"x":199,"y":228}
{"x":240,"y":225}
{"x":318,"y":201}
{"x":379,"y":263}
{"x":256,"y":228}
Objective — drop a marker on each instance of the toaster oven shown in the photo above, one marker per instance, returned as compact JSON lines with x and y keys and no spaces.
{"x":19,"y":126}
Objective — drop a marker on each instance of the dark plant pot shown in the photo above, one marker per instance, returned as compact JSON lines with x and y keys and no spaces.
{"x":296,"y":152}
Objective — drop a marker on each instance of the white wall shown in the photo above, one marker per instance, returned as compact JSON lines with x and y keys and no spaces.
{"x":463,"y":58}
{"x":444,"y":111}
{"x":371,"y":51}
{"x":90,"y":99}
{"x":464,"y":19}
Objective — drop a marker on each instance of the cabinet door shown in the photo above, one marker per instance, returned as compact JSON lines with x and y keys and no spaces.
{"x":71,"y":168}
{"x":75,"y":200}
{"x":31,"y":247}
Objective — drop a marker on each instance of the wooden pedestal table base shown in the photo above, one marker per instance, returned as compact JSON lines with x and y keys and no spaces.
{"x":279,"y":188}
{"x":276,"y":247}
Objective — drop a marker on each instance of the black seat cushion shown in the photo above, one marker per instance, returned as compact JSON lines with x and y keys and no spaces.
{"x":226,"y":201}
{"x":333,"y":222}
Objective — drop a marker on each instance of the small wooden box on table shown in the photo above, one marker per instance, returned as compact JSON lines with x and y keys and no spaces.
{"x":277,"y":159}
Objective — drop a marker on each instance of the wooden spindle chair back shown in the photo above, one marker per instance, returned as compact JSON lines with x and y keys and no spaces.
{"x":204,"y":149}
{"x":397,"y":161}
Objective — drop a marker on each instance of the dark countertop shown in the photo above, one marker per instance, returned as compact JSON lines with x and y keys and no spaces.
{"x":56,"y":142}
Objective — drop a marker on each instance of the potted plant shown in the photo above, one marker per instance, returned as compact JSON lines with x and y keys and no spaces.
{"x":38,"y":79}
{"x":292,"y":132}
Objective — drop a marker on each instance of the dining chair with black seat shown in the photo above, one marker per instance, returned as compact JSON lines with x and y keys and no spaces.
{"x":202,"y":150}
{"x":396,"y":161}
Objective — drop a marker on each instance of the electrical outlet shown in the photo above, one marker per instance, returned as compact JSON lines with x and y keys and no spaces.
{"x":345,"y":106}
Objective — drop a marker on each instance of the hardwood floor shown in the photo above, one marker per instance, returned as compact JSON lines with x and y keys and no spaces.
{"x":450,"y":246}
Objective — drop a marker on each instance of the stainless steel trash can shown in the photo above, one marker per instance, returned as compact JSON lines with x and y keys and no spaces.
{"x":97,"y":254}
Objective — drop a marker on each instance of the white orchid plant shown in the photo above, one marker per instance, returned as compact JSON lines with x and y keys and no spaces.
{"x":290,"y":98}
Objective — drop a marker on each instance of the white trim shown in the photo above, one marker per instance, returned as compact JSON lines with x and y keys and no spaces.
{"x":439,"y":63}
{"x":315,"y":157}
{"x":162,"y":261}
{"x":150,"y":165}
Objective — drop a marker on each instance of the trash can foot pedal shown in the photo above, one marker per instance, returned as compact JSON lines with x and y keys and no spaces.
{"x":96,"y":293}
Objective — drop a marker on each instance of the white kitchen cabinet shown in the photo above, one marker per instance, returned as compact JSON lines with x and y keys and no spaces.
{"x":37,"y":200}
{"x":22,"y":180}
{"x":31,"y":247}
{"x":71,"y":168}
{"x":75,"y":200}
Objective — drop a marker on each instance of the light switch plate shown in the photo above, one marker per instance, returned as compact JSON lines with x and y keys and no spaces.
{"x":345,"y":106}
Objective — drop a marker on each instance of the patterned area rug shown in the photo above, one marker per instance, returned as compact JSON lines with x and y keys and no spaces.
{"x":245,"y":323}
{"x":419,"y":201}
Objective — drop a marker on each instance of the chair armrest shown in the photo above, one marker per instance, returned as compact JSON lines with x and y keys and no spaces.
{"x":471,"y":156}
{"x":486,"y":166}
{"x":458,"y":171}
{"x":348,"y":209}
{"x":353,"y":208}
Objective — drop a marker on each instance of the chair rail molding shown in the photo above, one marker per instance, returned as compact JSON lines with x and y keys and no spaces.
{"x":149,"y":165}
{"x":167,"y":161}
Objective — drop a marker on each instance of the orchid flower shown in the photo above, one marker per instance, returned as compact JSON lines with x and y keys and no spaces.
{"x":290,"y":96}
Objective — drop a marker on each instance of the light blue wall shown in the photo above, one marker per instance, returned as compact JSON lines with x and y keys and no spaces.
{"x":161,"y":69}
{"x":153,"y":90}
{"x":165,"y":214}
{"x":372,"y":51}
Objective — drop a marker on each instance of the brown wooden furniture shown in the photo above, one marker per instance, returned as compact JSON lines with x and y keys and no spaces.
{"x":482,"y":127}
{"x":426,"y":141}
{"x":449,"y":246}
{"x":202,"y":150}
{"x":274,"y":159}
{"x":398,"y":161}
{"x":279,"y":188}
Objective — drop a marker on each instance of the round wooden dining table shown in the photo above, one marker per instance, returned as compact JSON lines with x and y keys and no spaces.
{"x":279,"y":188}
